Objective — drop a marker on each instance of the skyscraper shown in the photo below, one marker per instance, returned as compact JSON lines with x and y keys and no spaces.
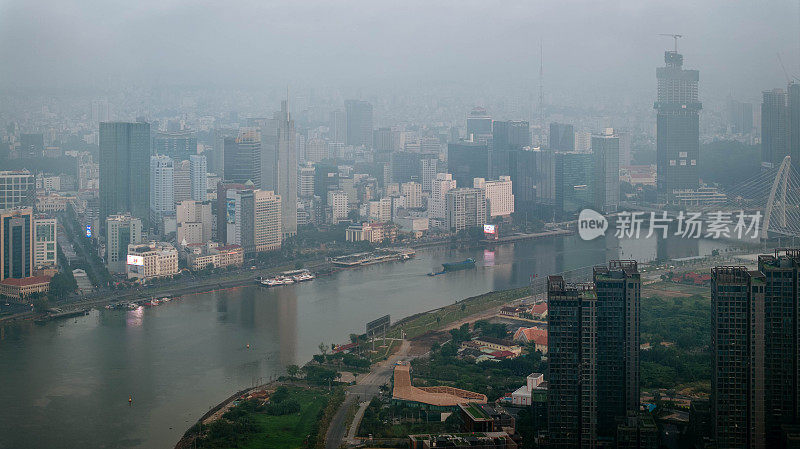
{"x":467,"y":161}
{"x":286,"y":171}
{"x":562,"y":137}
{"x":774,"y":128}
{"x":465,"y":208}
{"x":479,"y":125}
{"x":507,"y":136}
{"x":359,"y":123}
{"x":124,"y":170}
{"x":16,"y":244}
{"x":198,"y":171}
{"x":182,"y":181}
{"x":17,"y":188}
{"x":793,"y":119}
{"x":178,"y":145}
{"x":243,"y":157}
{"x":267,"y":233}
{"x":605,"y":148}
{"x":162,"y":196}
{"x":677,"y":127}
{"x":31,"y":145}
{"x":338,"y":127}
{"x":121,"y":230}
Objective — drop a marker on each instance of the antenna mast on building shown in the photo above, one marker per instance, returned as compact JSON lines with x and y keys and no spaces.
{"x":675,"y":37}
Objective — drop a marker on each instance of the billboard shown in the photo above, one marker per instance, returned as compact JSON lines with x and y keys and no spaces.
{"x":89,"y":231}
{"x":135,"y":260}
{"x":231,"y":210}
{"x":489,"y":229}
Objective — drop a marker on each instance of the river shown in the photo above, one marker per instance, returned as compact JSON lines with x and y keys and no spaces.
{"x":66,"y":384}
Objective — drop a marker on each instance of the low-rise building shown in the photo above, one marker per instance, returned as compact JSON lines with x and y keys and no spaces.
{"x":19,"y":289}
{"x":371,"y":232}
{"x":199,"y":256}
{"x":535,"y":335}
{"x":476,"y":440}
{"x":485,"y":418}
{"x":497,"y":344}
{"x":151,"y":260}
{"x":534,"y":391}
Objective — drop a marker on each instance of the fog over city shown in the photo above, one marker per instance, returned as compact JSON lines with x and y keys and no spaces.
{"x":589,"y":46}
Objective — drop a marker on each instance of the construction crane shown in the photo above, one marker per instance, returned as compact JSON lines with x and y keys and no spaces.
{"x":789,"y":79}
{"x":674,"y":36}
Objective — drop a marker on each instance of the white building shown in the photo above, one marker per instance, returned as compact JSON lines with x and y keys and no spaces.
{"x":44,"y":242}
{"x":337,"y":201}
{"x":198,"y":171}
{"x":267,"y":229}
{"x":194,"y":222}
{"x":152,"y":260}
{"x":17,"y":188}
{"x":534,"y":384}
{"x":381,"y":210}
{"x":305,"y":181}
{"x":466,"y":208}
{"x":121,"y":230}
{"x":499,"y":196}
{"x":437,"y":206}
{"x":316,"y":150}
{"x":182,"y":181}
{"x":88,"y":172}
{"x":162,"y":197}
{"x":412,"y":191}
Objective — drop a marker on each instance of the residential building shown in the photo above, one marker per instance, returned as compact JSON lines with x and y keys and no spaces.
{"x":17,"y":189}
{"x":151,"y":260}
{"x":499,"y":196}
{"x":198,"y":171}
{"x":465,"y":208}
{"x":337,"y":201}
{"x":677,"y":126}
{"x":162,"y":184}
{"x":121,"y":231}
{"x":429,"y":167}
{"x":268,"y":231}
{"x":124,"y":170}
{"x":380,"y":210}
{"x":44,"y":242}
{"x":359,"y":123}
{"x":605,"y":148}
{"x":437,"y":204}
{"x":17,"y":244}
{"x":467,"y":161}
{"x":305,"y":181}
{"x":412,"y":191}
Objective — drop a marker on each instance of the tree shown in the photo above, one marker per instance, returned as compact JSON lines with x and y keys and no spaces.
{"x":292,"y":371}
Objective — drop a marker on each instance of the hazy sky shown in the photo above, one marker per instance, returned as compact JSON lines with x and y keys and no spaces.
{"x":588,"y":45}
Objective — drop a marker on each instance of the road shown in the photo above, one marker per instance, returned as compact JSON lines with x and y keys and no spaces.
{"x":366,"y":388}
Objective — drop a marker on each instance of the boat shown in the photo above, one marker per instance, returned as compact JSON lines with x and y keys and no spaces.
{"x":458,"y":266}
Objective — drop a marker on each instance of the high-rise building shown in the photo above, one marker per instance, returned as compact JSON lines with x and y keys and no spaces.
{"x":268,"y":130}
{"x":562,"y":137}
{"x":337,"y":201}
{"x":412,"y":191}
{"x":572,"y":361}
{"x":479,"y":126}
{"x":625,"y":148}
{"x":124,"y":170}
{"x":285,"y":171}
{"x":437,"y":205}
{"x":267,"y":231}
{"x":31,"y":145}
{"x":677,"y":127}
{"x":465,"y":208}
{"x":194,"y":222}
{"x":359,"y":123}
{"x":404,"y":166}
{"x":605,"y":148}
{"x":241,"y":219}
{"x":178,"y":145}
{"x":44,"y":242}
{"x":225,"y":212}
{"x":316,"y":150}
{"x":740,"y":117}
{"x":17,"y":189}
{"x":121,"y":230}
{"x":382,"y":143}
{"x":429,"y":167}
{"x":305,"y":181}
{"x":507,"y":136}
{"x":499,"y":196}
{"x":793,"y":120}
{"x":524,"y":180}
{"x":338,"y":127}
{"x":243,"y":157}
{"x":17,"y":244}
{"x":774,"y":128}
{"x":162,"y":196}
{"x":198,"y":171}
{"x":467,"y":161}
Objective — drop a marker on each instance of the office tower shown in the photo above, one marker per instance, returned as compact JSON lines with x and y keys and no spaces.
{"x":412,"y":191}
{"x":16,"y":247}
{"x":507,"y":137}
{"x":124,"y":170}
{"x":737,"y":340}
{"x":286,"y":172}
{"x":100,"y":111}
{"x":178,"y":145}
{"x":774,"y":128}
{"x":326,"y":178}
{"x":677,"y":127}
{"x":437,"y":205}
{"x":216,"y":161}
{"x":465,"y":208}
{"x":382,"y":143}
{"x":338,"y":127}
{"x":467,"y":161}
{"x":793,"y":120}
{"x":121,"y":230}
{"x":740,"y":116}
{"x":225,"y":208}
{"x":337,"y":201}
{"x":583,"y":141}
{"x":194,"y":222}
{"x":17,"y":188}
{"x":572,"y":360}
{"x":243,"y":157}
{"x":316,"y":150}
{"x":404,"y":166}
{"x":198,"y":171}
{"x":618,"y":291}
{"x":359,"y":123}
{"x":267,"y":230}
{"x":240,"y":219}
{"x":268,"y":129}
{"x":524,"y":180}
{"x":429,"y":167}
{"x":499,"y":196}
{"x":562,"y":137}
{"x":31,"y":145}
{"x":479,"y":126}
{"x":182,"y":181}
{"x":44,"y":242}
{"x":305,"y":181}
{"x":605,"y":148}
{"x":162,"y":184}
